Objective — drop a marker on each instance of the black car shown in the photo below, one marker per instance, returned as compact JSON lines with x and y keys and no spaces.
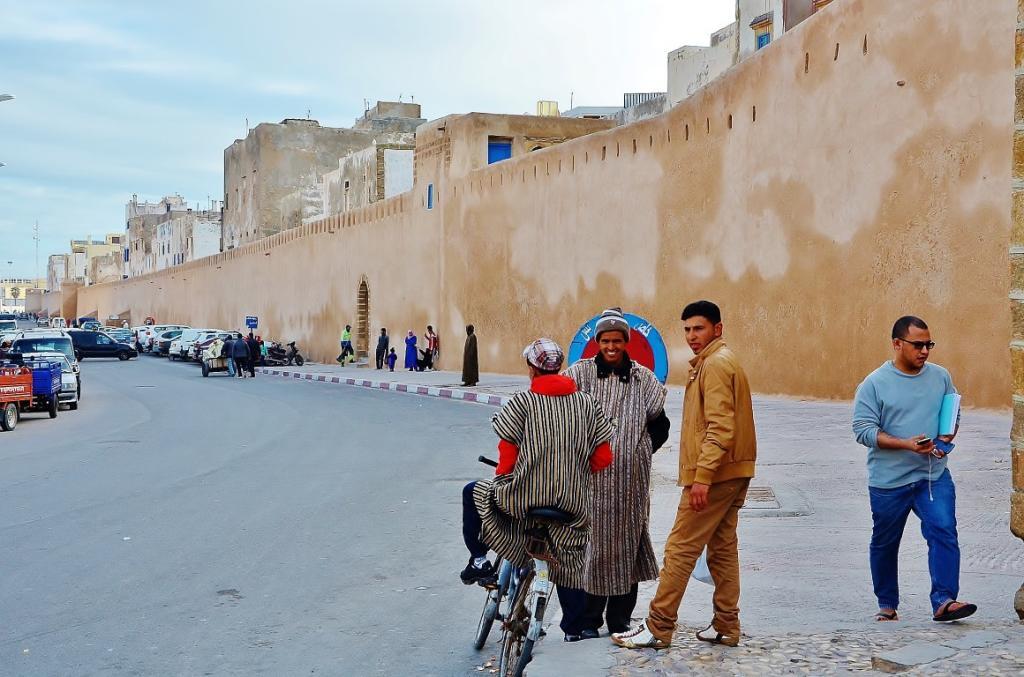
{"x":98,"y":344}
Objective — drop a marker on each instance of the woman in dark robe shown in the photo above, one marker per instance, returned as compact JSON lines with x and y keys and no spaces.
{"x":470,"y":367}
{"x":410,"y":351}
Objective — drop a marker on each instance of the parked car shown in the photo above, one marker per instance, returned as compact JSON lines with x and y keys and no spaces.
{"x":8,"y":325}
{"x":162,"y":344}
{"x":90,"y":325}
{"x":120,"y":335}
{"x":58,"y":323}
{"x":97,"y":344}
{"x":148,"y":334}
{"x":199,"y":346}
{"x":42,"y":322}
{"x":181,"y":348}
{"x":45,"y":340}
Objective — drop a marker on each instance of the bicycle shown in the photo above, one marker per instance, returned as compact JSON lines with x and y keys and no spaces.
{"x":524,"y":591}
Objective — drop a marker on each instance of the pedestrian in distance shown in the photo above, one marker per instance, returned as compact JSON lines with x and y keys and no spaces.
{"x":392,"y":358}
{"x":896,"y":415}
{"x":240,"y":353}
{"x":717,"y":454}
{"x":410,"y":351}
{"x":620,"y":553}
{"x":470,"y":365}
{"x":551,"y":438}
{"x":254,"y":351}
{"x":227,"y":352}
{"x":263,"y":351}
{"x":433,"y":346}
{"x":383,"y":343}
{"x":346,"y":345}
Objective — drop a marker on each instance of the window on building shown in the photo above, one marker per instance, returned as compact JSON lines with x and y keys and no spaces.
{"x":430,"y":196}
{"x":762,"y":27}
{"x":498,"y":148}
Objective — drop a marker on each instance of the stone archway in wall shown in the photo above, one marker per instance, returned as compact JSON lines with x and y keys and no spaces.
{"x":362,"y":342}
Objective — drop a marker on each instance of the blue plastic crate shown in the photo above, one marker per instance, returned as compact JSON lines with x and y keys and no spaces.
{"x":45,"y":376}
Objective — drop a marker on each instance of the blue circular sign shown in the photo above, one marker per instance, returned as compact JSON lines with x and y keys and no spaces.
{"x":645,"y":344}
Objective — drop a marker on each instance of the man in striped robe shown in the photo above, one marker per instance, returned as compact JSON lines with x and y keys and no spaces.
{"x":620,"y":554}
{"x":551,"y":438}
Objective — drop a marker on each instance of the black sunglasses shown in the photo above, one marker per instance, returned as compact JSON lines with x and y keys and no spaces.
{"x":920,"y":345}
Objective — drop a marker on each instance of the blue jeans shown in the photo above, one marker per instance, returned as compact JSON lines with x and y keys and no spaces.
{"x":231,"y":366}
{"x":889,"y":511}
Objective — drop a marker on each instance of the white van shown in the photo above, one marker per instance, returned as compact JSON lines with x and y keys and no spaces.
{"x":181,"y":347}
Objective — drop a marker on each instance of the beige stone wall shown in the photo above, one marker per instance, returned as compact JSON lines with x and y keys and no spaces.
{"x":815,"y":197}
{"x":1017,"y":298}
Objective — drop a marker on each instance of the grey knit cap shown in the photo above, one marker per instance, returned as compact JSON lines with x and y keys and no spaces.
{"x":612,"y":320}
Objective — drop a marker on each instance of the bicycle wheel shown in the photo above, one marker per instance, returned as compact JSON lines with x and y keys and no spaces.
{"x":517,"y":622}
{"x":490,"y":612}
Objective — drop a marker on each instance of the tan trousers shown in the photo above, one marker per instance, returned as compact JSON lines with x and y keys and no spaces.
{"x":714,"y":527}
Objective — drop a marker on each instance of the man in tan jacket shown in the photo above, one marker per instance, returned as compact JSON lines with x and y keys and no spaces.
{"x":716,"y":461}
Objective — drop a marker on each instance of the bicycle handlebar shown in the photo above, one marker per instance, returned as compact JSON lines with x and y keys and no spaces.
{"x":487,"y":461}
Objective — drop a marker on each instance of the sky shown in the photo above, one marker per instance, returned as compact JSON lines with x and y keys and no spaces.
{"x":115,"y":98}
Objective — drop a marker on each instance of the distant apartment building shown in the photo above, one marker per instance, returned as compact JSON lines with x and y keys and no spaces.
{"x":87,"y":262}
{"x":453,"y":146}
{"x":83,"y":252}
{"x":283,"y":174}
{"x":758,"y":23}
{"x":190,"y":236}
{"x":56,"y":268}
{"x":13,"y":292}
{"x":141,"y":220}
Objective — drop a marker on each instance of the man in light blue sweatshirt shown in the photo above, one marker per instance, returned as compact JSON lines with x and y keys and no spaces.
{"x":896,"y":415}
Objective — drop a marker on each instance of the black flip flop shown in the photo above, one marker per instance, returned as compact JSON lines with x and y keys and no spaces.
{"x":963,"y":611}
{"x":887,"y":616}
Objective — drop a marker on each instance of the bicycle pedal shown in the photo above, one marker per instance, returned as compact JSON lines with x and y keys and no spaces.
{"x":488,"y":583}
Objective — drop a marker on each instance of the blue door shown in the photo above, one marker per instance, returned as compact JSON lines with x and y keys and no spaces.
{"x":498,"y":151}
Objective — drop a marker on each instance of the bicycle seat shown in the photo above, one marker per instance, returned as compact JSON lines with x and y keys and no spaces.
{"x":551,"y":515}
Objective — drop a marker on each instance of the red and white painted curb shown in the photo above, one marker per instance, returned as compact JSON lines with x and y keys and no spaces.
{"x":414,"y":389}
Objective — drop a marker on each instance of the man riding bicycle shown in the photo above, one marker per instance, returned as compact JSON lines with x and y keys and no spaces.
{"x":552,"y":437}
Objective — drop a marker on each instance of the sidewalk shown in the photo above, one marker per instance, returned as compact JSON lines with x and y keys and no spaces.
{"x":807,"y":605}
{"x":493,"y":389}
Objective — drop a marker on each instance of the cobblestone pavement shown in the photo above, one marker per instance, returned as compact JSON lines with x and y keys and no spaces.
{"x":831,"y":653}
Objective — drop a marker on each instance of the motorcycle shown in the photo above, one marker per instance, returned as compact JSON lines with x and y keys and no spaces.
{"x":277,"y":356}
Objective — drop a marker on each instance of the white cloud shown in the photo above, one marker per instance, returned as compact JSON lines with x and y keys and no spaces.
{"x":25,"y":21}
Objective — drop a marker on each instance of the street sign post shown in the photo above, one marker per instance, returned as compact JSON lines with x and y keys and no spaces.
{"x":251,"y":321}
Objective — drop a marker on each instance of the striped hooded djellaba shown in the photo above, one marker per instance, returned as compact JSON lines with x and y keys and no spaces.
{"x":556,"y":436}
{"x":620,"y":553}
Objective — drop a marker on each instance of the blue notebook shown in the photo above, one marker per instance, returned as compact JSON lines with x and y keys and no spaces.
{"x":949,"y":414}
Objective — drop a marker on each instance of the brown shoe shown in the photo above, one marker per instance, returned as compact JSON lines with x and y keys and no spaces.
{"x":712,"y":636}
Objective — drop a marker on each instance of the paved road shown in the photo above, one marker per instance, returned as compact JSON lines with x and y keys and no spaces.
{"x":177,"y":525}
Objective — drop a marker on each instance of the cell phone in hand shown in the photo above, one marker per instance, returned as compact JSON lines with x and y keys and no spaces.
{"x":923,"y":441}
{"x":944,"y":446}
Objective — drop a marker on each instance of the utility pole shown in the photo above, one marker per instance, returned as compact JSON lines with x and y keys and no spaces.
{"x":35,"y":236}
